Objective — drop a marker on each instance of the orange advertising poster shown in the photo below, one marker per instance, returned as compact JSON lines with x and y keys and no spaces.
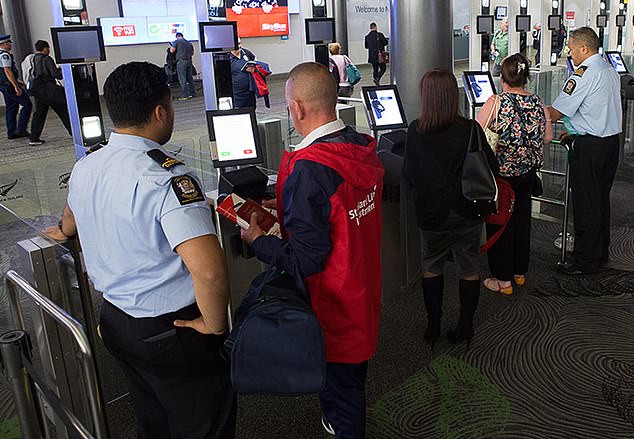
{"x":259,"y":18}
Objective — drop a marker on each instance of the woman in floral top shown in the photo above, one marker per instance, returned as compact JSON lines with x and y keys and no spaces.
{"x":523,"y":125}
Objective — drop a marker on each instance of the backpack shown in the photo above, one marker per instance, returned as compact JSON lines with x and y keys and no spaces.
{"x":28,"y":71}
{"x":276,"y":345}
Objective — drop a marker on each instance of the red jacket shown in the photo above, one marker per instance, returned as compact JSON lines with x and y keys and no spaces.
{"x":329,"y":195}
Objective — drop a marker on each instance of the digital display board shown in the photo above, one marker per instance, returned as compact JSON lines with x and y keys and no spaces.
{"x":523,"y":23}
{"x":320,"y":30}
{"x":479,"y":87}
{"x":218,"y":36}
{"x":259,"y":18}
{"x":119,"y":31}
{"x":484,"y":24}
{"x":501,"y":12}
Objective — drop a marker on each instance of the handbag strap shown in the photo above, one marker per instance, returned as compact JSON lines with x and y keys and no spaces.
{"x":496,"y":109}
{"x":478,"y":138}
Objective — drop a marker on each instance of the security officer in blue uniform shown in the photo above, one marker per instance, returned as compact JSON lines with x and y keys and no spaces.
{"x":590,"y":106}
{"x":13,"y":91}
{"x":149,"y":245}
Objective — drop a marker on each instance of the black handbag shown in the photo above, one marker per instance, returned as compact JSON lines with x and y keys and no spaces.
{"x":478,"y":181}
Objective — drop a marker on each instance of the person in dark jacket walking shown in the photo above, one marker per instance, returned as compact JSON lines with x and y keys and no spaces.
{"x":184,"y":51}
{"x":436,"y":147}
{"x":46,"y":91}
{"x":375,"y":42}
{"x":329,"y":202}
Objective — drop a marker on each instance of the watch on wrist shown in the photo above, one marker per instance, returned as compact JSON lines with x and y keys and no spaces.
{"x":59,"y":226}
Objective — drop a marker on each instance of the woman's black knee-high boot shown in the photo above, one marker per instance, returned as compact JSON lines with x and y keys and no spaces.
{"x":469,"y":296}
{"x":432,"y":295}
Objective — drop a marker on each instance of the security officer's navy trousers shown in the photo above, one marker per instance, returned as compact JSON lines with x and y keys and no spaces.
{"x":13,"y":102}
{"x":179,"y":384}
{"x":592,"y":171}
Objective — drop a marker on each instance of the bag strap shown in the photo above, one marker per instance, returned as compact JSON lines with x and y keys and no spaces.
{"x":496,"y":109}
{"x":493,"y":239}
{"x":478,"y":138}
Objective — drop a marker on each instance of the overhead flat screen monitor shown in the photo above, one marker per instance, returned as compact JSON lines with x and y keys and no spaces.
{"x":234,"y":137}
{"x":616,"y":60}
{"x":620,"y":20}
{"x":553,"y":22}
{"x":384,"y":107}
{"x":218,"y":36}
{"x":484,"y":24}
{"x":78,"y":44}
{"x":320,"y":30}
{"x":479,"y":87}
{"x":501,"y":12}
{"x":523,"y":23}
{"x":602,"y":21}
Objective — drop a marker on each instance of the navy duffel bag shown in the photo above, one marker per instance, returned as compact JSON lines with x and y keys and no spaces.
{"x":276,"y":345}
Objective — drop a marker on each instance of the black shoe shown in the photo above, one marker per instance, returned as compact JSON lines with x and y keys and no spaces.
{"x":432,"y":296}
{"x":36,"y":142}
{"x":469,"y":296}
{"x":17,"y":136}
{"x":570,"y":269}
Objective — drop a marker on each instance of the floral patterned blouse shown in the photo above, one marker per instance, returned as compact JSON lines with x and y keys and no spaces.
{"x":521,"y":126}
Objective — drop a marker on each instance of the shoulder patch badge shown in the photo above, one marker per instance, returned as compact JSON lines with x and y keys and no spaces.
{"x":570,"y":86}
{"x":580,"y":71}
{"x":163,"y":159}
{"x":187,"y":190}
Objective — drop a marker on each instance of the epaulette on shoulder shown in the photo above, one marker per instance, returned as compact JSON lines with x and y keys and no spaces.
{"x":94,"y":148}
{"x":580,"y":71}
{"x":163,"y":159}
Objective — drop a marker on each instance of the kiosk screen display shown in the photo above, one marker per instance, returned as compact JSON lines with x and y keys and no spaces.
{"x":501,"y":12}
{"x":620,"y":20}
{"x":78,"y":44}
{"x":320,"y":30}
{"x":479,"y":85}
{"x":602,"y":21}
{"x":523,"y":23}
{"x":234,"y":137}
{"x":384,"y":107}
{"x":218,"y":36}
{"x":484,"y":24}
{"x":617,"y":62}
{"x":553,"y":22}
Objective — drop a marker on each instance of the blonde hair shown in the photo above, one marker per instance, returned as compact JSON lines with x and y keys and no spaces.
{"x":334,"y":48}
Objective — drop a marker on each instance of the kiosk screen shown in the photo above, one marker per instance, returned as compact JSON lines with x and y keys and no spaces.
{"x":234,"y":137}
{"x":523,"y":23}
{"x":617,"y":62}
{"x":553,"y":22}
{"x":78,"y":44}
{"x":501,"y":12}
{"x":384,"y":107}
{"x":218,"y":36}
{"x":320,"y":30}
{"x":620,"y":20}
{"x":484,"y":24}
{"x":479,"y":85}
{"x":602,"y":21}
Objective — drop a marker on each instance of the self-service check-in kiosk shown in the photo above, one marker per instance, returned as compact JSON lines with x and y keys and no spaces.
{"x":627,"y":87}
{"x":384,"y":110}
{"x":319,"y":32}
{"x":80,"y":47}
{"x":479,"y":87}
{"x":219,"y":38}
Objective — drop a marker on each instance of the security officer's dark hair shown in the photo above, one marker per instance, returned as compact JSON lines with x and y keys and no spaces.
{"x":132,"y":92}
{"x":41,"y":45}
{"x":587,"y":37}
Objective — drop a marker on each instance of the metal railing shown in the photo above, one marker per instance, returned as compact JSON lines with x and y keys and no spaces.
{"x":565,"y":203}
{"x":16,"y":284}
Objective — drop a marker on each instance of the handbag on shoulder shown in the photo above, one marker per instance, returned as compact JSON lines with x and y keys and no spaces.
{"x":478,"y":181}
{"x":384,"y":57}
{"x":353,"y":74}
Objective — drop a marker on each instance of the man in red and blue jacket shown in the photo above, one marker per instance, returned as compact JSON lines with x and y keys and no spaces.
{"x":329,"y":204}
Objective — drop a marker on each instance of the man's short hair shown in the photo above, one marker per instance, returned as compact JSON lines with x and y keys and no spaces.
{"x":132,"y":92}
{"x":314,"y":85}
{"x":373,"y":25}
{"x":178,"y":34}
{"x":41,"y":45}
{"x":587,"y":37}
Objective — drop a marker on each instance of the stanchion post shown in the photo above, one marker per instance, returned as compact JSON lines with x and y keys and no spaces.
{"x":12,"y":345}
{"x":564,"y":232}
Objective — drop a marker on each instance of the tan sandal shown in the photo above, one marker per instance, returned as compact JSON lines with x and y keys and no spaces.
{"x":519,"y":279}
{"x":493,"y":284}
